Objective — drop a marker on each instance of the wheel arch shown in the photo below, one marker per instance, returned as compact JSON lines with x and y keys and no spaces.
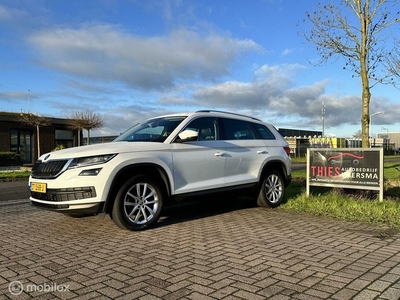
{"x":152,"y":170}
{"x":275,"y":165}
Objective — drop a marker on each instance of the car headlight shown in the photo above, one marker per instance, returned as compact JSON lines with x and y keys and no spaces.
{"x":90,"y":160}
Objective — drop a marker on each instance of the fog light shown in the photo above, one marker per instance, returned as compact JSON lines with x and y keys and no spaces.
{"x":91,"y":172}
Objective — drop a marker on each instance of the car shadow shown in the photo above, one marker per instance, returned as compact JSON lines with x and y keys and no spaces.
{"x":203,"y":208}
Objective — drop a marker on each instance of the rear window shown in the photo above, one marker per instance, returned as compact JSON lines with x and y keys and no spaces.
{"x":264,"y":132}
{"x":244,"y":130}
{"x":238,"y":130}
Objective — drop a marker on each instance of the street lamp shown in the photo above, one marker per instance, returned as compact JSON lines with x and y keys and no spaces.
{"x":370,"y":122}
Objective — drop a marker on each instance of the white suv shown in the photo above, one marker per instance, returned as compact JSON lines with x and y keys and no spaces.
{"x":161,"y":160}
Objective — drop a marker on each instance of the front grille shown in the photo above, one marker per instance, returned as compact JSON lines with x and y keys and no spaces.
{"x":66,"y":194}
{"x":48,"y":170}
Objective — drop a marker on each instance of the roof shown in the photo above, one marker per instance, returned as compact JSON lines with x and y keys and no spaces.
{"x":13,"y":117}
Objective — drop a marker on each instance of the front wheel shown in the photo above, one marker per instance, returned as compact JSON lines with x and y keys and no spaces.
{"x":138,"y":203}
{"x":272,"y":190}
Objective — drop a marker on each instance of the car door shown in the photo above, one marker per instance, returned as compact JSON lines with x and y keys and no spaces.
{"x":245,"y":152}
{"x":199,"y":165}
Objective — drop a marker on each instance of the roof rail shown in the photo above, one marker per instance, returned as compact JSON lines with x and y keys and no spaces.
{"x":227,"y":112}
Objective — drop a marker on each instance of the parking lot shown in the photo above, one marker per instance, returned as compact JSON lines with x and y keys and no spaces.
{"x":218,"y":249}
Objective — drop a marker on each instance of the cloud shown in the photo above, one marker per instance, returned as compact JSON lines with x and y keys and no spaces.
{"x":110,"y":54}
{"x":273,"y":96}
{"x":7,"y":96}
{"x":11,"y":14}
{"x":184,"y":70}
{"x":265,"y":91}
{"x":171,"y":100}
{"x":286,"y":52}
{"x":123,"y":117}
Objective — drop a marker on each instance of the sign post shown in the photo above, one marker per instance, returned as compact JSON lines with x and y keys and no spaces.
{"x":354,"y":168}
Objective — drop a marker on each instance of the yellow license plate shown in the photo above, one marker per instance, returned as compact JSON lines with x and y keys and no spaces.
{"x":38,"y":187}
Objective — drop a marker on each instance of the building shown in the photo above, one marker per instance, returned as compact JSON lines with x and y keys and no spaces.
{"x":299,"y":140}
{"x":22,"y":139}
{"x":286,"y":132}
{"x":393,"y":137}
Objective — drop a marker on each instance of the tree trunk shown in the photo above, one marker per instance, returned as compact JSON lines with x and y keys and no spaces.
{"x":366,"y":93}
{"x":365,"y":117}
{"x":88,"y":137}
{"x":79,"y":137}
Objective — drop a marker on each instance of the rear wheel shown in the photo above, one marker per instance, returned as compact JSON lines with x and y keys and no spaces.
{"x":272,"y":190}
{"x":138,"y":203}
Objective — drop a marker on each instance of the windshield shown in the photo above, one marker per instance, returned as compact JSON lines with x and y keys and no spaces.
{"x":153,"y":130}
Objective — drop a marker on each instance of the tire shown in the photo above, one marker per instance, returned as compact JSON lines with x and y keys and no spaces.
{"x":138,"y":203}
{"x":272,"y":190}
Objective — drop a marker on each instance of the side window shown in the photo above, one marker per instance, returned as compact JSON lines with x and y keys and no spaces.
{"x":264,"y":132}
{"x":238,"y":130}
{"x":207,"y":128}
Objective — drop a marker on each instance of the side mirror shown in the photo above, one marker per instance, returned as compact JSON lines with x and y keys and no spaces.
{"x":187,"y":136}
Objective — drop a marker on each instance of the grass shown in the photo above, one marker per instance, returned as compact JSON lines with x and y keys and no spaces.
{"x":9,"y":176}
{"x":348,"y":204}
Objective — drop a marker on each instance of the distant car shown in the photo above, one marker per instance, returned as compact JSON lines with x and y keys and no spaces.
{"x":162,"y":159}
{"x":397,"y":150}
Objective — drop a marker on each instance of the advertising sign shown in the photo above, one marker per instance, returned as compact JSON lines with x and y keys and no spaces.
{"x":356,"y":168}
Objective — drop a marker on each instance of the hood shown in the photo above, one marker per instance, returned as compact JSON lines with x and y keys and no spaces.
{"x":106,"y":148}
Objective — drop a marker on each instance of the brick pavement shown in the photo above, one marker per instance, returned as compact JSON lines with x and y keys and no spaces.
{"x":197,"y":252}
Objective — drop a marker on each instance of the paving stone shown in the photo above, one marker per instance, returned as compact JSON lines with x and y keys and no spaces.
{"x":390,"y":294}
{"x":366,"y":295}
{"x":241,"y":253}
{"x":379,"y":285}
{"x":344,"y":294}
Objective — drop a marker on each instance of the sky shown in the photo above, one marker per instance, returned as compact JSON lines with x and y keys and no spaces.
{"x":134,"y":59}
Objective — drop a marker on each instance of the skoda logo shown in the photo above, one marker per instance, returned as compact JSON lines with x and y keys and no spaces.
{"x":47,"y":156}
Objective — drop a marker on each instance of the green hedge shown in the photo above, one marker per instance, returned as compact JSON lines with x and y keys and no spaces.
{"x":10,"y":159}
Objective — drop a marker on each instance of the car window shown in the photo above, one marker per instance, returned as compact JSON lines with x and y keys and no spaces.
{"x":264,"y":132}
{"x":153,"y":130}
{"x":206,"y":127}
{"x":238,"y":130}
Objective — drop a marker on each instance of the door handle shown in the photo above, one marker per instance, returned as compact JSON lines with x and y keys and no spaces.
{"x":262,"y":152}
{"x":219,"y":154}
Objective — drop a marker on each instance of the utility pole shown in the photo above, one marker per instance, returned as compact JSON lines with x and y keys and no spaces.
{"x":323,"y":118}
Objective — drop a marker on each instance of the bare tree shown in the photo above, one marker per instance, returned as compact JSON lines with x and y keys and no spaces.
{"x":76,"y":123}
{"x":37,"y":122}
{"x":393,"y":63}
{"x":356,"y":31}
{"x":357,"y":134}
{"x":85,"y":120}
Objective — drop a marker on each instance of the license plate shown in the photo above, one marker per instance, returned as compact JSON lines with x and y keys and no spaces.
{"x":38,"y":187}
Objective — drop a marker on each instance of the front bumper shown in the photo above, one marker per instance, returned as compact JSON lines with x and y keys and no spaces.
{"x":84,"y":209}
{"x":68,"y":200}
